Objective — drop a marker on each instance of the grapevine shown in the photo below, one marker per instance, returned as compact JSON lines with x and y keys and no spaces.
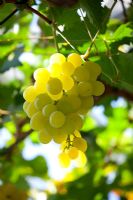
{"x":59,"y":99}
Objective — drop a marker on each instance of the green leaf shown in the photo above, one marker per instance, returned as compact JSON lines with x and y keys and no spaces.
{"x":123,"y":63}
{"x":12,"y":60}
{"x":97,"y":15}
{"x":121,"y":32}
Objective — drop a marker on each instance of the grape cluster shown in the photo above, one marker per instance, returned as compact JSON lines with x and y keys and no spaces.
{"x":61,"y":95}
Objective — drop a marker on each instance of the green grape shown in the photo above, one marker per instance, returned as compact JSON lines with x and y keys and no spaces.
{"x":38,"y":121}
{"x":77,"y":133}
{"x":85,"y":89}
{"x":81,"y":73}
{"x":94,"y":69}
{"x":75,"y":59}
{"x":44,"y":136}
{"x":54,"y":86}
{"x":76,"y":120}
{"x":69,"y":125}
{"x":74,"y":101}
{"x":48,"y":109}
{"x":98,"y":88}
{"x":80,"y":144}
{"x":56,"y":97}
{"x":68,"y":68}
{"x":59,"y":135}
{"x":73,"y":153}
{"x":49,"y":129}
{"x":64,"y":105}
{"x":31,"y":110}
{"x":64,"y":160}
{"x":67,"y":82}
{"x":81,"y":159}
{"x":55,"y":69}
{"x":73,"y":90}
{"x":42,"y":100}
{"x":41,"y":75}
{"x":57,"y":58}
{"x":25,"y":106}
{"x":40,"y":87}
{"x":57,"y":119}
{"x":86,"y":104}
{"x":30,"y":94}
{"x":69,"y":104}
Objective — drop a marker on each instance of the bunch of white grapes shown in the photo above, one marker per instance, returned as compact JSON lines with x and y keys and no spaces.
{"x":57,"y":102}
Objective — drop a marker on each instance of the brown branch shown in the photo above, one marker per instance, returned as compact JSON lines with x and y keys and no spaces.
{"x":113,"y":91}
{"x":124,"y":11}
{"x":118,"y":92}
{"x":10,"y":149}
{"x":39,"y":14}
{"x":10,"y":1}
{"x":9,"y":16}
{"x":87,"y":53}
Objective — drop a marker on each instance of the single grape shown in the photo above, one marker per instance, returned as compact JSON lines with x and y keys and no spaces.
{"x":98,"y":88}
{"x":31,"y":110}
{"x":73,"y":90}
{"x":86,"y":104}
{"x":77,"y":133}
{"x":38,"y":121}
{"x":81,"y":73}
{"x":44,"y":136}
{"x":68,"y":68}
{"x":94,"y":69}
{"x":80,"y":144}
{"x":85,"y":89}
{"x":81,"y":159}
{"x":55,"y":69}
{"x":59,"y":135}
{"x":57,"y":58}
{"x":54,"y":86}
{"x":42,"y":100}
{"x":40,"y":87}
{"x":67,"y":82}
{"x":57,"y":119}
{"x":25,"y":106}
{"x":56,"y":97}
{"x":41,"y":75}
{"x":77,"y":121}
{"x":48,"y":109}
{"x":75,"y":59}
{"x":64,"y":159}
{"x":74,"y":101}
{"x":73,"y":153}
{"x":30,"y":94}
{"x":64,"y":105}
{"x":69,"y":104}
{"x":69,"y":124}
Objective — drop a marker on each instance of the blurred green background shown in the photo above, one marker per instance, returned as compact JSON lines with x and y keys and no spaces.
{"x":30,"y":170}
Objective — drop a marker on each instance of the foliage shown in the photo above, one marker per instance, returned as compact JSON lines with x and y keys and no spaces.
{"x":26,"y":43}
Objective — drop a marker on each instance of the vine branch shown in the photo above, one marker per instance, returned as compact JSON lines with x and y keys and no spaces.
{"x":114,"y":91}
{"x":87,"y":53}
{"x":10,"y":149}
{"x":9,"y":16}
{"x":124,"y":10}
{"x":39,"y":14}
